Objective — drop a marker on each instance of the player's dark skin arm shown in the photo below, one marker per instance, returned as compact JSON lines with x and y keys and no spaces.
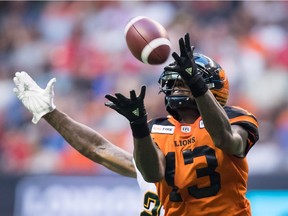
{"x":231,"y":139}
{"x":149,"y":159}
{"x":91,"y":144}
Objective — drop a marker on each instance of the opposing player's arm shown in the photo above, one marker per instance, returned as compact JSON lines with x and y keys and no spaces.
{"x":87,"y":141}
{"x":230,"y":138}
{"x":91,"y":144}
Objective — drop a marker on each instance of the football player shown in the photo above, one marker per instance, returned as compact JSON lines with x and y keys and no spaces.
{"x":84,"y":139}
{"x":197,"y":154}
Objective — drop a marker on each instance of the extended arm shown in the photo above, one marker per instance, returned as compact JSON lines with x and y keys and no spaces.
{"x":91,"y":144}
{"x":148,"y":158}
{"x":231,"y":139}
{"x":85,"y":140}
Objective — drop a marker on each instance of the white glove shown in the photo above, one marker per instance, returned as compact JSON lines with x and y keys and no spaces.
{"x":37,"y":100}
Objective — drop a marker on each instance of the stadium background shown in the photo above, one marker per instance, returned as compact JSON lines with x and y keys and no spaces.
{"x":82,"y":44}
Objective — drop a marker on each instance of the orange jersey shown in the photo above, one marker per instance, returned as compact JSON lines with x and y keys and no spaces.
{"x":200,"y":178}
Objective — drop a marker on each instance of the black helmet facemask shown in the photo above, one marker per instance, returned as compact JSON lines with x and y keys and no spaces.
{"x":173,"y":102}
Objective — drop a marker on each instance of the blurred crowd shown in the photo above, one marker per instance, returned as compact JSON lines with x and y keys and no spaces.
{"x":83,"y":45}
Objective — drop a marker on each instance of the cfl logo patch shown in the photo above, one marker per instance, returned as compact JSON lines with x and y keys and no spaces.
{"x":185,"y":129}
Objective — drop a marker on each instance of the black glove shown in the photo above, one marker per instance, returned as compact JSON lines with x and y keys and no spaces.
{"x":133,"y":109}
{"x":187,"y":68}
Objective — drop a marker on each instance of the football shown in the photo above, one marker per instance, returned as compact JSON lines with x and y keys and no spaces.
{"x":147,"y":40}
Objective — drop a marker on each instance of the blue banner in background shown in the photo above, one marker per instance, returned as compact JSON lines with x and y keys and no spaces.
{"x":269,"y":202}
{"x":75,"y":196}
{"x":111,"y":196}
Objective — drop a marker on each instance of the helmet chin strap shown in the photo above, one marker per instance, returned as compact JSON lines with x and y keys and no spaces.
{"x":179,"y":102}
{"x":176,"y":103}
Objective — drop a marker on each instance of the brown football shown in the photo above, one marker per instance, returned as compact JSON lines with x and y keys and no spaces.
{"x":147,"y":40}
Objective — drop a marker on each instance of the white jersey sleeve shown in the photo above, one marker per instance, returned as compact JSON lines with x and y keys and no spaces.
{"x":151,"y":202}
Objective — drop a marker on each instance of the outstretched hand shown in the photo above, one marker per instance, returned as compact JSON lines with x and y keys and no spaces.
{"x":186,"y":67}
{"x":37,"y":100}
{"x":132,"y":108}
{"x":184,"y":64}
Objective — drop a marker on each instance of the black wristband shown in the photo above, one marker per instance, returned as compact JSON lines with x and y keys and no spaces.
{"x":140,"y":128}
{"x":198,"y":86}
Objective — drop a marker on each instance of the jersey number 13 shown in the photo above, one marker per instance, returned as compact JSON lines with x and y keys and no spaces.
{"x":193,"y":190}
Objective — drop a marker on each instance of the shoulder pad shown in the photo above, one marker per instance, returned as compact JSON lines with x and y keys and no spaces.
{"x":234,"y":111}
{"x":239,"y":116}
